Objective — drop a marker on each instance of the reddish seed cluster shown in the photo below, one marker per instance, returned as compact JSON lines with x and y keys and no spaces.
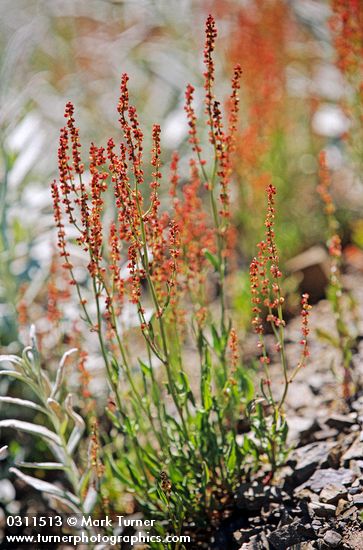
{"x":266,"y":292}
{"x":148,"y":240}
{"x":305,"y":309}
{"x":195,"y":235}
{"x":346,"y":24}
{"x":233,"y":346}
{"x":74,"y":135}
{"x":265,"y":274}
{"x":192,"y":119}
{"x":324,"y":185}
{"x":57,"y":212}
{"x":334,"y":244}
{"x":169,"y":255}
{"x":234,"y":107}
{"x":94,"y":452}
{"x":211,"y":35}
{"x":84,"y":374}
{"x":223,"y":143}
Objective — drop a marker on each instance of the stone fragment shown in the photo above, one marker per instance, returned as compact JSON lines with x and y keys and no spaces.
{"x":328,"y":476}
{"x":305,"y":494}
{"x":321,"y":509}
{"x":358,"y":500}
{"x":323,"y":435}
{"x":256,"y":543}
{"x":316,"y":524}
{"x":308,"y":458}
{"x":332,"y":538}
{"x":357,"y":405}
{"x":351,"y":513}
{"x":313,"y":267}
{"x":355,"y":451}
{"x":340,"y":421}
{"x":341,"y":506}
{"x":301,"y":428}
{"x":331,"y":493}
{"x":291,"y":534}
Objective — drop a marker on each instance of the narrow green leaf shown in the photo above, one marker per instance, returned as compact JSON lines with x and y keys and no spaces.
{"x":212,"y":259}
{"x":216,"y":340}
{"x":324,"y":335}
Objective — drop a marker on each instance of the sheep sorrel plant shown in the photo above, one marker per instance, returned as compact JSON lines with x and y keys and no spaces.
{"x":174,"y":400}
{"x":267,"y":413}
{"x":344,"y":340}
{"x":176,"y":386}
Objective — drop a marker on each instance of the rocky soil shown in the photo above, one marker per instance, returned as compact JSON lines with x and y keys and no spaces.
{"x":317,"y":502}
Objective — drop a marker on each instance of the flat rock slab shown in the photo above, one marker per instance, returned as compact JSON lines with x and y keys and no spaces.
{"x":358,"y":500}
{"x":328,"y":476}
{"x":355,"y":451}
{"x":341,"y":422}
{"x":288,"y":535}
{"x":333,"y":492}
{"x":332,"y":538}
{"x":307,"y":459}
{"x":301,"y":427}
{"x":321,"y":510}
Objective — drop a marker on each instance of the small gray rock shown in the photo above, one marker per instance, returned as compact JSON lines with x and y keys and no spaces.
{"x":355,"y":451}
{"x":316,"y":524}
{"x":332,"y":538}
{"x":340,"y":421}
{"x":291,"y":534}
{"x":328,"y":476}
{"x":358,"y":500}
{"x":323,"y":435}
{"x":301,"y":428}
{"x":321,"y":509}
{"x":332,"y":493}
{"x":308,"y":458}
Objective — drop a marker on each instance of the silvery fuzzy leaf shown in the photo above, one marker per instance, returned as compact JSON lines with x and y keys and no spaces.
{"x":46,"y":487}
{"x":3,"y":452}
{"x":60,"y":372}
{"x":34,"y":429}
{"x":42,"y":465}
{"x":79,"y":427}
{"x":22,"y":403}
{"x":14,"y":360}
{"x":90,"y":500}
